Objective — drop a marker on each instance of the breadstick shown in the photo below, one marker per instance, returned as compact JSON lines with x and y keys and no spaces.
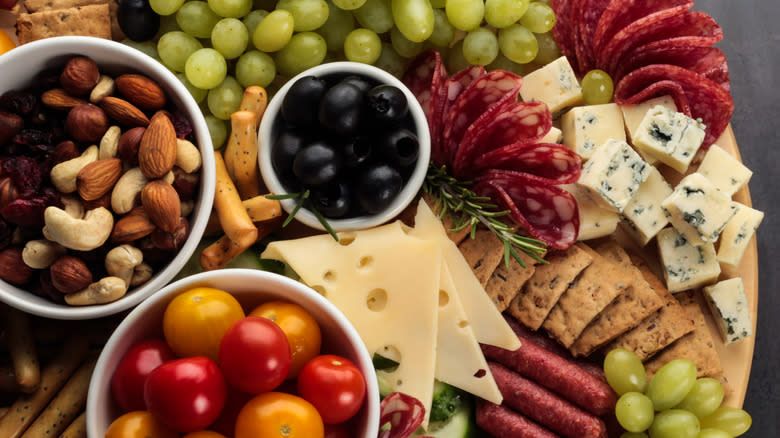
{"x":22,"y":348}
{"x":262,"y":209}
{"x":8,"y":380}
{"x":241,"y":154}
{"x":255,"y":99}
{"x":24,"y":410}
{"x":77,"y":429}
{"x":220,"y":253}
{"x":233,"y":217}
{"x":66,"y":406}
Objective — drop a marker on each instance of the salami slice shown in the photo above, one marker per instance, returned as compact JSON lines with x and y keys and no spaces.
{"x":709,"y":62}
{"x":404,"y":414}
{"x":562,"y":31}
{"x":547,"y":212}
{"x":704,"y":99}
{"x":425,"y":78}
{"x":619,"y":14}
{"x":517,"y":122}
{"x":587,"y":22}
{"x":453,"y":87}
{"x":554,"y":162}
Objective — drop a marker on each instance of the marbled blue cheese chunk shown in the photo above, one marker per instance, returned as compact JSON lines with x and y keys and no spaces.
{"x":595,"y":221}
{"x":725,"y":171}
{"x":729,"y":307}
{"x":613,"y":174}
{"x":643,"y":216}
{"x":671,"y":137}
{"x":585,"y":127}
{"x":737,"y":234}
{"x":633,"y":115}
{"x":698,"y":209}
{"x":555,"y":84}
{"x":686,"y":265}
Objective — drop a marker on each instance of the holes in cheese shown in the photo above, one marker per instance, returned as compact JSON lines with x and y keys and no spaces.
{"x":444,"y":298}
{"x":347,"y":238}
{"x":377,"y":300}
{"x":329,"y":275}
{"x":365,"y":262}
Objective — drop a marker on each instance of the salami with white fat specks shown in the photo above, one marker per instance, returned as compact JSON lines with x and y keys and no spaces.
{"x":562,"y":30}
{"x":403,"y":413}
{"x":586,"y":24}
{"x":709,"y":62}
{"x":425,"y":79}
{"x":554,"y":162}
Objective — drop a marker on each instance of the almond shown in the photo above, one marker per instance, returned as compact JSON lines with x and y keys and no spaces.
{"x":59,"y":99}
{"x":70,"y":274}
{"x":12,"y":266}
{"x":162,"y":204}
{"x":132,"y":226}
{"x":157,"y":150}
{"x":141,"y":91}
{"x":123,"y":112}
{"x":98,"y":178}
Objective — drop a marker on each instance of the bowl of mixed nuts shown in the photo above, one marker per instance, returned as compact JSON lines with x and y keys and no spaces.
{"x":106,"y":177}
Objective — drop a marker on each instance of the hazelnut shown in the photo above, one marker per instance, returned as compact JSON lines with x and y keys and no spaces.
{"x":64,"y":151}
{"x":171,"y":241}
{"x":12,"y":267}
{"x":80,"y":75}
{"x":129,"y":142}
{"x":87,"y":123}
{"x":186,"y":184}
{"x":10,"y":125}
{"x":70,"y":274}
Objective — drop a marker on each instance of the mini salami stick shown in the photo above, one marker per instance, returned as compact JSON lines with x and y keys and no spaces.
{"x":709,"y":62}
{"x":404,"y":414}
{"x":619,"y":14}
{"x":502,"y":422}
{"x":554,"y":162}
{"x":563,"y":30}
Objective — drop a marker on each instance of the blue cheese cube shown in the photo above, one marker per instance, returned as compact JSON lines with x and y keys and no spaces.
{"x":555,"y":84}
{"x":686,"y":265}
{"x":698,"y":209}
{"x":737,"y":234}
{"x":671,"y":137}
{"x":729,"y":307}
{"x":613,"y":174}
{"x":643,"y":216}
{"x":633,"y":114}
{"x":725,"y":171}
{"x":595,"y":221}
{"x":586,"y":127}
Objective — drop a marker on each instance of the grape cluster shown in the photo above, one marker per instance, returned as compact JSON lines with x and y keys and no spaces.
{"x":673,"y":404}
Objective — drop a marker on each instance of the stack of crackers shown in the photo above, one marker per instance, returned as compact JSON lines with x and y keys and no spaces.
{"x":48,"y":18}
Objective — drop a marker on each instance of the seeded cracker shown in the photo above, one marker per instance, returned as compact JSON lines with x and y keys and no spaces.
{"x":483,"y":253}
{"x":505,"y":283}
{"x":91,"y":20}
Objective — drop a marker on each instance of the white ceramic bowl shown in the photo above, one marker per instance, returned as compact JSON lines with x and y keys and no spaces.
{"x":251,"y":288}
{"x":410,"y":189}
{"x":18,"y":68}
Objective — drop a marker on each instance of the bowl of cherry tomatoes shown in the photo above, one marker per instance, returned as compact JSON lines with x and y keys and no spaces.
{"x":234,"y":353}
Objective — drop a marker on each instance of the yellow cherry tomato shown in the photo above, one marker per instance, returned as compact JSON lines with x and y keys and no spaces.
{"x":279,"y":415}
{"x":303,"y":333}
{"x":6,"y":43}
{"x":138,"y":424}
{"x":195,"y":321}
{"x":204,"y":434}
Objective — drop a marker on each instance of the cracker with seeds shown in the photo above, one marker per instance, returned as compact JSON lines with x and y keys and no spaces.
{"x":505,"y":283}
{"x":548,"y":282}
{"x":90,"y":20}
{"x":483,"y":253}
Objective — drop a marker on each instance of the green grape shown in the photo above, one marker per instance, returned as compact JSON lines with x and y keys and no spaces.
{"x":175,"y":47}
{"x":167,"y":24}
{"x":671,"y":383}
{"x":305,"y":50}
{"x":438,"y":4}
{"x":230,"y":8}
{"x":197,"y":19}
{"x":456,"y":61}
{"x":349,"y":5}
{"x":307,"y":15}
{"x":713,"y":433}
{"x":633,"y":435}
{"x":362,"y":45}
{"x":443,"y":31}
{"x":255,"y":68}
{"x":147,"y":47}
{"x":196,"y":93}
{"x":634,"y":411}
{"x":705,"y":396}
{"x":480,"y":47}
{"x":335,"y":30}
{"x":218,"y":130}
{"x":375,"y":15}
{"x":503,"y":63}
{"x":206,"y":68}
{"x":539,"y":18}
{"x":165,"y":7}
{"x":675,"y":423}
{"x":733,"y":421}
{"x":624,"y":371}
{"x":251,"y":21}
{"x":465,"y":14}
{"x":274,"y":31}
{"x":390,"y":61}
{"x":230,"y":37}
{"x":404,"y":47}
{"x":518,"y":44}
{"x":502,"y":13}
{"x":414,"y":18}
{"x":225,"y":99}
{"x":548,"y":48}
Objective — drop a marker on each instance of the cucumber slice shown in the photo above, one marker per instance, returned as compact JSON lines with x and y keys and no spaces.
{"x":384,"y":386}
{"x":461,"y":425}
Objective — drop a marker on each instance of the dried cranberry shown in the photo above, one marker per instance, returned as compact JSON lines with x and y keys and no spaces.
{"x":10,"y":125}
{"x":26,"y":212}
{"x":26,"y":174}
{"x":19,"y":102}
{"x":48,"y":79}
{"x":51,"y":197}
{"x":181,"y":124}
{"x":31,"y":137}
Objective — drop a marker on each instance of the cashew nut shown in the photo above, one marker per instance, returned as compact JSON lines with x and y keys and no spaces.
{"x":104,"y":88}
{"x":109,"y":144}
{"x":126,"y":190}
{"x":141,"y":274}
{"x":169,"y":177}
{"x":73,"y":206}
{"x":122,"y":260}
{"x":187,"y":207}
{"x":63,"y":175}
{"x":187,"y":156}
{"x":40,"y":254}
{"x":79,"y":234}
{"x":106,"y":290}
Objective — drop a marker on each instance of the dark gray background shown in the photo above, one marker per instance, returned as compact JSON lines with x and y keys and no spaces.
{"x":752,"y":44}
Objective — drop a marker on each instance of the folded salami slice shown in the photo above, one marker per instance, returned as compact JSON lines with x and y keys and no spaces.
{"x":547,"y":212}
{"x":452,"y":88}
{"x":694,"y":94}
{"x":585,"y":25}
{"x":709,"y":62}
{"x":562,"y":31}
{"x":554,"y":162}
{"x":425,"y":78}
{"x":404,"y":414}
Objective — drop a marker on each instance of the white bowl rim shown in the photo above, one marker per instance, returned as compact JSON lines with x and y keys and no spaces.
{"x":407,"y":194}
{"x":167,"y":293}
{"x":63,"y":46}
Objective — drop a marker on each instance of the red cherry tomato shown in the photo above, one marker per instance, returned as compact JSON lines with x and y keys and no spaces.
{"x":254,"y":355}
{"x":334,"y":385}
{"x":341,"y":430}
{"x":226,"y":422}
{"x":186,"y":394}
{"x":127,"y":383}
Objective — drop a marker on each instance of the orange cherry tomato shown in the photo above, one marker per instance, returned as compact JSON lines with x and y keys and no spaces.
{"x":204,"y":434}
{"x":6,"y":43}
{"x":303,"y":333}
{"x":195,"y":321}
{"x":279,"y":415}
{"x":138,"y":424}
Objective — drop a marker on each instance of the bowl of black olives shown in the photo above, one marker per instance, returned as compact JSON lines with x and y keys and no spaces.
{"x":346,"y":145}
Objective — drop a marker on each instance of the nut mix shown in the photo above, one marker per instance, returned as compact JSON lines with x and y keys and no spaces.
{"x":97,"y":178}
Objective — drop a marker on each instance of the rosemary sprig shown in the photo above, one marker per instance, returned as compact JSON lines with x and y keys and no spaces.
{"x":468,"y":209}
{"x":302,"y":197}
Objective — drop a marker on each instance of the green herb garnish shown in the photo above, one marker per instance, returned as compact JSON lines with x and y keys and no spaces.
{"x":302,"y":197}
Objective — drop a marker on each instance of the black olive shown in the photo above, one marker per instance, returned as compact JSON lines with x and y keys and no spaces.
{"x":362,"y":83}
{"x":283,"y":153}
{"x":400,"y":147}
{"x":316,"y":164}
{"x":332,"y":200}
{"x":386,"y":103}
{"x":341,"y":108}
{"x":302,"y":101}
{"x":357,"y":151}
{"x":377,"y":186}
{"x":137,"y":19}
